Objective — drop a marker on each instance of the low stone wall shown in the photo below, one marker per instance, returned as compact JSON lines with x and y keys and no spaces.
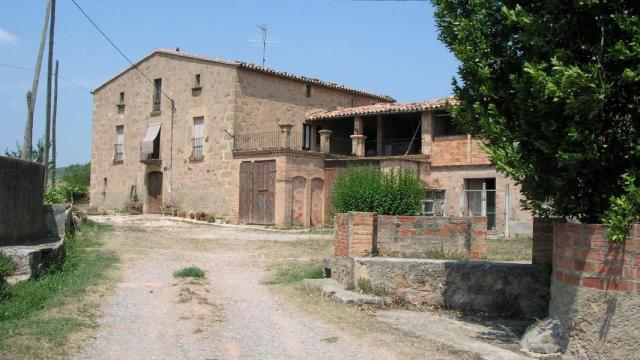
{"x":365,"y":234}
{"x":504,"y":289}
{"x":21,"y":190}
{"x":595,"y":291}
{"x":421,"y":236}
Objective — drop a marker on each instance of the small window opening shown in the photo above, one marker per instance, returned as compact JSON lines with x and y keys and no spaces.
{"x":157,"y":94}
{"x":121,"y":98}
{"x":197,"y":80}
{"x":306,"y":137}
{"x":308,"y":90}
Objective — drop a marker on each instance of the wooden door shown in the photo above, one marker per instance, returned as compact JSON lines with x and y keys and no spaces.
{"x":257,"y":192}
{"x":154,"y":192}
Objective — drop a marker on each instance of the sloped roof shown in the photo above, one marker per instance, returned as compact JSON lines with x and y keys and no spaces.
{"x":256,"y":68}
{"x":382,"y":108}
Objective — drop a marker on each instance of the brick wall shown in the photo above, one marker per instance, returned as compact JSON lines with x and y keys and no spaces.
{"x":542,"y":248}
{"x":362,"y":234}
{"x":594,"y":291}
{"x":355,"y":234}
{"x":457,"y":150}
{"x":583,"y":256}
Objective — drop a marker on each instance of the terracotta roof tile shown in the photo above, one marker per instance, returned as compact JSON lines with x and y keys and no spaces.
{"x":382,"y":108}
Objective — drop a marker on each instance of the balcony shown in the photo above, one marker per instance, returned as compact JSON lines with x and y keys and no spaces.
{"x":150,"y":158}
{"x":267,"y":141}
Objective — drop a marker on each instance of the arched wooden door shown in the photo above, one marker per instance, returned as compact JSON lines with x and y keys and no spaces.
{"x":154,"y":192}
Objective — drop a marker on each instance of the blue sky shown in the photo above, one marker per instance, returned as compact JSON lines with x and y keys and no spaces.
{"x":387,"y":47}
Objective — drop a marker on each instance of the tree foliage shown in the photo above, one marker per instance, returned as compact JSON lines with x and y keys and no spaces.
{"x":553,"y":89}
{"x":372,"y":190}
{"x":37,"y":154}
{"x":77,"y":175}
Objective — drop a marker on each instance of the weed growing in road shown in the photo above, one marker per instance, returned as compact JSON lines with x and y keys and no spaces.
{"x":33,"y":323}
{"x":294,"y":271}
{"x":189,"y":272}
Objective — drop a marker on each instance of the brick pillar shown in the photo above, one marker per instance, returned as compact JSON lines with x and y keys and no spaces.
{"x":285,"y":135}
{"x":357,"y":145}
{"x":325,"y":141}
{"x":478,"y":246}
{"x":542,"y":241}
{"x":355,"y":234}
{"x":427,"y":135}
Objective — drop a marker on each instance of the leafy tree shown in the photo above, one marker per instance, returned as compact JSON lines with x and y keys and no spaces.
{"x":77,"y":175}
{"x":37,"y":154}
{"x":553,"y":88}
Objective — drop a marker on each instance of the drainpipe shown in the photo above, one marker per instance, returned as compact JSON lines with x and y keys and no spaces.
{"x":173,"y":112}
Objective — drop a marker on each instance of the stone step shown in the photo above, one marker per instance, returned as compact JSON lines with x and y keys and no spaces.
{"x":338,"y":291}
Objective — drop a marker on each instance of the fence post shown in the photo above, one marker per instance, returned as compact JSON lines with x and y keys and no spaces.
{"x":285,"y":135}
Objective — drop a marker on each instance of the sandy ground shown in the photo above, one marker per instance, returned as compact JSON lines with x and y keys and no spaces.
{"x":228,"y":315}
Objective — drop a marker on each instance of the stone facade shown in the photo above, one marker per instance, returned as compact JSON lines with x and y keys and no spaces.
{"x":232,"y":99}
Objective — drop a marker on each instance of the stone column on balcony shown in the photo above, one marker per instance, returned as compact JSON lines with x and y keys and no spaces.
{"x":285,"y":135}
{"x":357,"y":145}
{"x":325,"y":141}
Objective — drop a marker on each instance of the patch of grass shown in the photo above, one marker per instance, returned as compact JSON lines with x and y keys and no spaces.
{"x":6,"y":265}
{"x":294,"y":271}
{"x":190,"y":272}
{"x":366,"y":287}
{"x":516,"y":249}
{"x":29,"y":325}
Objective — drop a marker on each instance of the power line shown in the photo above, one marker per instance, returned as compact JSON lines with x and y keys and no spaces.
{"x":116,"y":47}
{"x":61,"y":77}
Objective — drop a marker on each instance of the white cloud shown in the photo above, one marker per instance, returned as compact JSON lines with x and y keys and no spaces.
{"x":7,"y":37}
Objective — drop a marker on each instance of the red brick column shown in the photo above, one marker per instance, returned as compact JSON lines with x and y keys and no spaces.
{"x":583,"y":256}
{"x":355,"y":234}
{"x":478,"y":248}
{"x":542,"y":247}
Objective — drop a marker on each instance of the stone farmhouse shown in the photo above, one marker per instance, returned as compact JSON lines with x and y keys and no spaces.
{"x":261,"y":146}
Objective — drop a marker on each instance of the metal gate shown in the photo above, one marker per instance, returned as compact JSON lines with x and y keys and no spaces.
{"x":257,"y":192}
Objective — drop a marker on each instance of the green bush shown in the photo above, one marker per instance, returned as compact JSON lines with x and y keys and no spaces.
{"x":64,"y":192}
{"x":53,"y":195}
{"x":624,"y":210}
{"x":368,"y":189}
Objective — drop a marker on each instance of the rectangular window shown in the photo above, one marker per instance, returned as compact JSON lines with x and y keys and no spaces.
{"x":306,"y":137}
{"x":308,"y":90}
{"x":444,"y":126}
{"x":197,"y":150}
{"x":157,"y":94}
{"x":433,"y":204}
{"x":197,"y":81}
{"x":118,"y":154}
{"x":480,"y":199}
{"x":121,"y":98}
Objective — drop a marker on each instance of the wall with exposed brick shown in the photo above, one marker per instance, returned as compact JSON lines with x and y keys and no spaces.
{"x":365,"y":234}
{"x":422,"y":236}
{"x":457,"y":150}
{"x":355,"y":234}
{"x":542,"y":239}
{"x":595,"y":291}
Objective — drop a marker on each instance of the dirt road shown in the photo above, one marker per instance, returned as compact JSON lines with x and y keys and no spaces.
{"x":230,"y":314}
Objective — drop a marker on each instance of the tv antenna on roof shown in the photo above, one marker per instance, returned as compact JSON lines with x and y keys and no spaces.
{"x":264,"y":41}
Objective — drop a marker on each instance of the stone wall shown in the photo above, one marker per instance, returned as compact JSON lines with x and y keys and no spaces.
{"x":595,"y":291}
{"x":21,"y":189}
{"x":366,"y":234}
{"x":504,"y":289}
{"x":422,"y":236}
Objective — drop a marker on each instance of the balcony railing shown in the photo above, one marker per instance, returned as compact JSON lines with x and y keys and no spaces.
{"x":266,"y":141}
{"x":118,"y":154}
{"x":197,"y":148}
{"x":149,"y":156}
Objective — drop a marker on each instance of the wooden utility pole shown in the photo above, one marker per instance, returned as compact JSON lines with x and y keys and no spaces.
{"x":47,"y":127}
{"x":53,"y":128}
{"x":28,"y":127}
